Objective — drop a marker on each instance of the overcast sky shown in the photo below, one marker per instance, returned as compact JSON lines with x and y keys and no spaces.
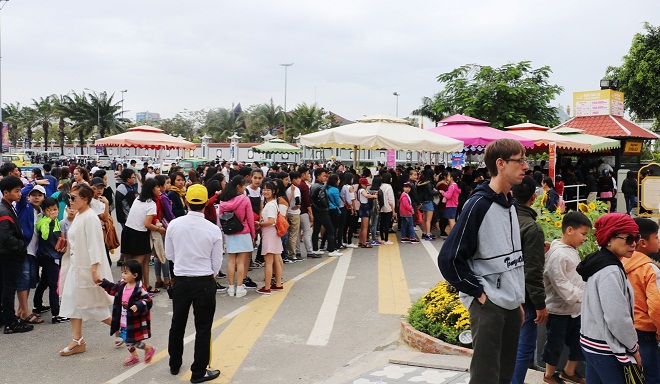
{"x":349,"y":56}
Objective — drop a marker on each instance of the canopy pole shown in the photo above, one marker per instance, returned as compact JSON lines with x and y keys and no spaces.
{"x":355,"y":157}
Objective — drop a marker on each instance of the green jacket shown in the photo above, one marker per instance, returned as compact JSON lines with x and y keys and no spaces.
{"x":533,"y":242}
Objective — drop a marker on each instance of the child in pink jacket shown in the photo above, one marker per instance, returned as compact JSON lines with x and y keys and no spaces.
{"x":406,"y":212}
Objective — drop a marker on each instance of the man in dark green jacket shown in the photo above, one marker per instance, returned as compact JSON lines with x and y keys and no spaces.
{"x":533,"y":250}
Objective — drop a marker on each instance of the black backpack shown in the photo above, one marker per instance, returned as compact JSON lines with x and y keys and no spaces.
{"x":230,"y":223}
{"x":381,"y":198}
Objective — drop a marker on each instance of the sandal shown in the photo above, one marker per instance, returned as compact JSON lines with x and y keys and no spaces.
{"x":368,"y":245}
{"x":33,"y":319}
{"x":153,"y":290}
{"x":79,"y":348}
{"x":149,"y":355}
{"x":131,"y":360}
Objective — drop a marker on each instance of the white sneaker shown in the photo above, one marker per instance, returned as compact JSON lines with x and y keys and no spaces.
{"x":241,"y":291}
{"x":351,"y":245}
{"x":334,"y":254}
{"x":231,"y":290}
{"x":319,"y":252}
{"x":388,"y":242}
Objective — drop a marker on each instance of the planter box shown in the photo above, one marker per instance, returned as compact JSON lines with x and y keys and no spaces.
{"x":429,"y":344}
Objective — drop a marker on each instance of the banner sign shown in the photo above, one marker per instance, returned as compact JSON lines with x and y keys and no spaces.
{"x":5,"y":137}
{"x":633,"y":147}
{"x":552,"y":159}
{"x":99,"y":149}
{"x":391,"y":158}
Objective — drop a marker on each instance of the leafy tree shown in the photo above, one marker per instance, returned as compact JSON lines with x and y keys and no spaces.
{"x":77,"y":108}
{"x":639,"y":75}
{"x":185,"y":123}
{"x":306,"y":119}
{"x":511,"y":94}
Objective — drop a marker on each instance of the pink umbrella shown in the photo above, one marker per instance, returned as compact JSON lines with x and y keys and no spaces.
{"x":475,"y":133}
{"x":145,"y":136}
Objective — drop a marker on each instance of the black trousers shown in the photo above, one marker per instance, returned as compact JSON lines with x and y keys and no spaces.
{"x":9,"y":270}
{"x":341,"y":227}
{"x":322,"y":219}
{"x":385,"y":225}
{"x":200,"y":293}
{"x":50,"y":274}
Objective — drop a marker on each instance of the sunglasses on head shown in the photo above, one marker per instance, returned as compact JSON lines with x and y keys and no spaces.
{"x":630,"y":238}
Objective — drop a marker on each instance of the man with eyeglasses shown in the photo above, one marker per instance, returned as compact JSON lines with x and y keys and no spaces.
{"x":482,"y":258}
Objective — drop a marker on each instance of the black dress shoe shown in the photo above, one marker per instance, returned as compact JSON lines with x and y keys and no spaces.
{"x":210,"y":375}
{"x":174,"y":370}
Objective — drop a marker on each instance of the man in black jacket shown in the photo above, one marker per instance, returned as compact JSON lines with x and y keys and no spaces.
{"x":319,"y":201}
{"x":533,"y":250}
{"x":13,"y":251}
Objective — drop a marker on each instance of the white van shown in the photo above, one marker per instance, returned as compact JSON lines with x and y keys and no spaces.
{"x":102,"y":161}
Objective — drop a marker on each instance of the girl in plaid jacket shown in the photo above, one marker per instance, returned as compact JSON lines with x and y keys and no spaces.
{"x":131,"y":314}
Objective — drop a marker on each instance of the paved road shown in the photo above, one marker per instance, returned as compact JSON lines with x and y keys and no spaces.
{"x":333,"y":314}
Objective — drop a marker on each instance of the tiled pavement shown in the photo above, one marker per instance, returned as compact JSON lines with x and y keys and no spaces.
{"x":394,"y":373}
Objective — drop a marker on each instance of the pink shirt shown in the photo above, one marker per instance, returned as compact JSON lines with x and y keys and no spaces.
{"x":126,"y":295}
{"x":452,"y":195}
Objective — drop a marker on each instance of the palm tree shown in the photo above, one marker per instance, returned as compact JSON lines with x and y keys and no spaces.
{"x":266,"y":117}
{"x":222,"y":122}
{"x":429,"y":110}
{"x":27,"y":118}
{"x":12,"y":115}
{"x":77,"y":109}
{"x":108,"y":114}
{"x":306,"y":119}
{"x":44,"y":113}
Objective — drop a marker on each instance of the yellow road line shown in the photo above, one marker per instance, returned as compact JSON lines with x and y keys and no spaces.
{"x":393,"y":296}
{"x":235,"y":342}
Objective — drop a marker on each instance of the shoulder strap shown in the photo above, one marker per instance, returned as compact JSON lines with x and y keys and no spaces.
{"x":9,"y":218}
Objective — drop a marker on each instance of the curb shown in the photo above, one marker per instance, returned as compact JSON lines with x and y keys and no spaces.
{"x":429,"y":344}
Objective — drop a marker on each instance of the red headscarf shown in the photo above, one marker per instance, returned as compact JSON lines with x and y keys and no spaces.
{"x":613,"y":224}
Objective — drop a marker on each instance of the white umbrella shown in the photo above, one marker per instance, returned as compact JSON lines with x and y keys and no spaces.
{"x":381,"y":132}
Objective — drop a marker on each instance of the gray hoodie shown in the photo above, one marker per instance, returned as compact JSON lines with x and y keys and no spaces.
{"x":607,"y":307}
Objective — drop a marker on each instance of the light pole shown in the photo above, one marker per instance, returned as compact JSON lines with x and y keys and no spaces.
{"x":122,"y":102}
{"x":286,"y":67}
{"x":1,"y":121}
{"x":397,"y":102}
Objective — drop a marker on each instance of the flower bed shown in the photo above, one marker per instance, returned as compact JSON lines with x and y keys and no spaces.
{"x":440,"y":314}
{"x":550,"y":221}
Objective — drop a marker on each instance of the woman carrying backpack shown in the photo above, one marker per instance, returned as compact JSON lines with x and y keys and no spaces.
{"x":240,"y":243}
{"x":629,"y":189}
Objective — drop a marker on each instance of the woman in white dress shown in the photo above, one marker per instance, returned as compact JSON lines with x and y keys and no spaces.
{"x":83,"y":265}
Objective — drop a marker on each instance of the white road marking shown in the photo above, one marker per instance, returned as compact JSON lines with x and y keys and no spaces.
{"x":326,"y":317}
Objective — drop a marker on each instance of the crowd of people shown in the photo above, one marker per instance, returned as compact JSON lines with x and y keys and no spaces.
{"x":57,"y":233}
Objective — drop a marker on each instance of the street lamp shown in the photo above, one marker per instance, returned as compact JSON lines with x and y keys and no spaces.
{"x":122,"y":102}
{"x":286,"y":68}
{"x":1,"y":7}
{"x":397,"y":102}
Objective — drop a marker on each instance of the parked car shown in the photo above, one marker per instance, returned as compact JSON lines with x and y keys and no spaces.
{"x":192,"y":163}
{"x":20,"y":159}
{"x":167,"y":164}
{"x":102,"y":161}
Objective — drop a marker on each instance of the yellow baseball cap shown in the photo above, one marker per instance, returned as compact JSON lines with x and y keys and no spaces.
{"x":197,"y":194}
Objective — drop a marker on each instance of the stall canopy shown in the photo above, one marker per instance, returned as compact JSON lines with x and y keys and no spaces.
{"x":542,"y":137}
{"x":381,"y":132}
{"x":145,"y":136}
{"x":475,"y":133}
{"x":596,"y":143}
{"x":276,"y":146}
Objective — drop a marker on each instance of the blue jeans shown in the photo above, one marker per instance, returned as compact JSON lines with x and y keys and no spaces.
{"x":407,"y":228}
{"x":526,"y":344}
{"x":648,"y":349}
{"x":374,"y":227}
{"x":563,"y":330}
{"x":630,"y":203}
{"x":603,"y":369}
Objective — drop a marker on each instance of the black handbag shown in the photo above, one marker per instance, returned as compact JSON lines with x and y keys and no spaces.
{"x":230,"y":223}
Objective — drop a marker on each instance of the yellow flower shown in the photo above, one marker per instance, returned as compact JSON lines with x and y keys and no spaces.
{"x":548,"y":219}
{"x":584,"y":208}
{"x":558,"y":224}
{"x":592,"y":206}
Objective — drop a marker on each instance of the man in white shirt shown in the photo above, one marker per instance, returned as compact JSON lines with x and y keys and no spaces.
{"x":196,"y":263}
{"x":293,"y":214}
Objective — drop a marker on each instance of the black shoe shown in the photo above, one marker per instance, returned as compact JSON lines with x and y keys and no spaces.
{"x":210,"y":375}
{"x":249,"y":284}
{"x":174,"y":370}
{"x":286,"y":260}
{"x":220,"y":288}
{"x":221,"y":275}
{"x":59,"y":319}
{"x":40,"y":309}
{"x":313,"y":256}
{"x":18,"y":327}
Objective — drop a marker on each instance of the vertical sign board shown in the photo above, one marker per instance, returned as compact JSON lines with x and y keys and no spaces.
{"x":99,"y":150}
{"x":458,"y":160}
{"x":391,"y":158}
{"x":552,"y":158}
{"x":5,"y":137}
